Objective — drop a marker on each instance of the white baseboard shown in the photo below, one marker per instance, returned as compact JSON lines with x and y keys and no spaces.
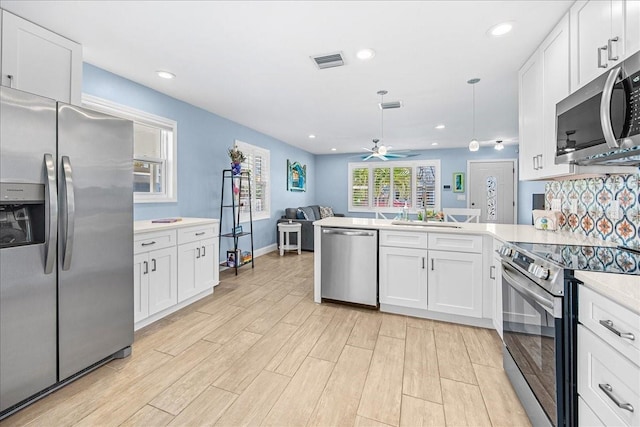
{"x":256,"y":253}
{"x":444,"y":317}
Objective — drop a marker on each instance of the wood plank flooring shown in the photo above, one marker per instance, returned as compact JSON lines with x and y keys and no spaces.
{"x":261,"y":352}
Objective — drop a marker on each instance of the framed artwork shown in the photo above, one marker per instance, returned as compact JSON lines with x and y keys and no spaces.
{"x":458,"y":182}
{"x":296,"y":176}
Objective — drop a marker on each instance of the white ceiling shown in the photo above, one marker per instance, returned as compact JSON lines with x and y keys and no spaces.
{"x":250,"y":62}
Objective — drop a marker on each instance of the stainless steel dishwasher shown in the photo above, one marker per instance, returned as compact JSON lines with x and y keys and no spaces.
{"x":349,"y":269}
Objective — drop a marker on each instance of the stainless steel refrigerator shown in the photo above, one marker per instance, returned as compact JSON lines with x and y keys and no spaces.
{"x":66,"y":243}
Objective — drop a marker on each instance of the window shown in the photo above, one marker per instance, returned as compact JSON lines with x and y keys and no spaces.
{"x":385,"y":187}
{"x":155,"y":178}
{"x":258,"y":166}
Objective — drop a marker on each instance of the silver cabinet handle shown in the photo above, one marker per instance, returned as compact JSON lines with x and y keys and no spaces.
{"x":610,"y":49}
{"x":153,"y":261}
{"x":432,"y":265}
{"x":540,"y":161}
{"x":52,"y":217}
{"x":146,"y":267}
{"x":609,"y":325}
{"x":198,"y":256}
{"x":492,"y":272}
{"x":200,"y":233}
{"x":423,"y":263}
{"x":605,"y":108}
{"x":600,"y":64}
{"x":203,"y":252}
{"x":67,"y":172}
{"x":608,"y":390}
{"x":10,"y":77}
{"x":149,"y":243}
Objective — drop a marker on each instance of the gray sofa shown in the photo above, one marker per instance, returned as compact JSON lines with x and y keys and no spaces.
{"x":307,"y":226}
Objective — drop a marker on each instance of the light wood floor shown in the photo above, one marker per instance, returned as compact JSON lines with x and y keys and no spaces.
{"x":260,"y":352}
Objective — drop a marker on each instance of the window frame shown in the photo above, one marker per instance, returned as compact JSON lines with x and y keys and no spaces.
{"x":252,"y":149}
{"x":170,"y":163}
{"x":414,"y":164}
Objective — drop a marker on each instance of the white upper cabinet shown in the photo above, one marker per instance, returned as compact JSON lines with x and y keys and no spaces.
{"x":530,"y":118}
{"x":38,"y":61}
{"x":603,"y":33}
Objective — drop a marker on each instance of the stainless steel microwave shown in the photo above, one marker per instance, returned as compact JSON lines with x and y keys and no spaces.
{"x":599,"y":124}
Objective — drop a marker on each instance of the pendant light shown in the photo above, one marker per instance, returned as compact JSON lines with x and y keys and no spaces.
{"x":499,"y":145}
{"x":474,"y":145}
{"x":382,"y":149}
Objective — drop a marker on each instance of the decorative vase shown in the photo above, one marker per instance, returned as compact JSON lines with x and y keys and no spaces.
{"x":236,"y":168}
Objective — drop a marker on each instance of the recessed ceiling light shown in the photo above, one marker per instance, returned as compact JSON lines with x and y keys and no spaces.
{"x":434,"y":143}
{"x":333,"y":149}
{"x":440,"y":126}
{"x":500,"y":29}
{"x":166,"y":75}
{"x":312,"y":136}
{"x":365,"y":54}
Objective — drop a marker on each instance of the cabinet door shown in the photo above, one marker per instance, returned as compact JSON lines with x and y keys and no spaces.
{"x":591,"y":30}
{"x":631,"y":29}
{"x":188,"y":257}
{"x":140,"y":287}
{"x":554,"y":57}
{"x":530,"y":118}
{"x":497,"y":295}
{"x":207,"y":263}
{"x":455,"y":283}
{"x":39,"y":61}
{"x":163,"y":279}
{"x":403,"y":277}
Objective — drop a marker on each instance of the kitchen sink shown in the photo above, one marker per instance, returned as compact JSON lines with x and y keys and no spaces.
{"x":425,"y":224}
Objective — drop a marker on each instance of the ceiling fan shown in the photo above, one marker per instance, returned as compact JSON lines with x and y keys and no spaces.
{"x":382,"y":151}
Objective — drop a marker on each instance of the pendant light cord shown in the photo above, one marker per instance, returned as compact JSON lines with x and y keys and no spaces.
{"x":381,"y":120}
{"x":473,"y":88}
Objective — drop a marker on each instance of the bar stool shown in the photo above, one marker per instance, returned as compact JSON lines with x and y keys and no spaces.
{"x":285,"y":231}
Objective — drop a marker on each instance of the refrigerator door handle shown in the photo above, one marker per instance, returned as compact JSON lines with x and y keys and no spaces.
{"x":52,"y":210}
{"x":70,"y":212}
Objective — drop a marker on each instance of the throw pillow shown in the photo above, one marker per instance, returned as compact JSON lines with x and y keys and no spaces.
{"x":300,"y":214}
{"x":308,"y":213}
{"x":325,"y":212}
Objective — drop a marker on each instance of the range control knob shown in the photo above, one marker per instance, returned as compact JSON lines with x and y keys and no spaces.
{"x":505,"y":251}
{"x":539,"y":271}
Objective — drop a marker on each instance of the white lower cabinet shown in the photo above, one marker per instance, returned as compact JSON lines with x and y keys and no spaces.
{"x":495,"y":275}
{"x":455,"y":283}
{"x":403,"y":277}
{"x":173,"y":267}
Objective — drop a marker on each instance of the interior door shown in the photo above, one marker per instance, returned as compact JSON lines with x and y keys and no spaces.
{"x":95,"y":264}
{"x":492,"y":190}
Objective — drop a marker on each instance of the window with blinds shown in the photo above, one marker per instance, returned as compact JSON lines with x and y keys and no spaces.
{"x":257,"y":163}
{"x":385,"y":187}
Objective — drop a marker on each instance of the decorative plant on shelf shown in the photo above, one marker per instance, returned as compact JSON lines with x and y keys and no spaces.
{"x":237,"y":157}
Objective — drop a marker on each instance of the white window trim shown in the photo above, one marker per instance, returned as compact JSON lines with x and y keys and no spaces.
{"x":391,"y":209}
{"x":129,"y":113}
{"x":266,"y":214}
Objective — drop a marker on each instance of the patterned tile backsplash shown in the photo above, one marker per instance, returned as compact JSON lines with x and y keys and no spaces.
{"x":596,"y":199}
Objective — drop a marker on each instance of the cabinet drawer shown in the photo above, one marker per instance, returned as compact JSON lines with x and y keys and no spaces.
{"x":145,"y":242}
{"x":192,"y":234}
{"x":599,"y":364}
{"x":455,"y":242}
{"x":594,"y":308}
{"x":403,"y":239}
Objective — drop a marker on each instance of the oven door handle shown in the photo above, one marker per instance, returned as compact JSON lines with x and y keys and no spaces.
{"x":541,"y":300}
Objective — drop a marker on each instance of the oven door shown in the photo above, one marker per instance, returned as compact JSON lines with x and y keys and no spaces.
{"x":532,"y":321}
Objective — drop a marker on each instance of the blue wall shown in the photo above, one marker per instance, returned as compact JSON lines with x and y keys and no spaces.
{"x":332,"y":178}
{"x":203,"y":139}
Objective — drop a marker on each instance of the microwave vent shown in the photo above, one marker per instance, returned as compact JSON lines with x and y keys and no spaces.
{"x":328,"y":61}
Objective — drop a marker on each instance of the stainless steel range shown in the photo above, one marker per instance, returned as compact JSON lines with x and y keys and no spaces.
{"x":539,"y":304}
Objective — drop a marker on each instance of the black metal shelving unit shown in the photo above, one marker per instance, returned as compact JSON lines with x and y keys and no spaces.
{"x":229,"y":181}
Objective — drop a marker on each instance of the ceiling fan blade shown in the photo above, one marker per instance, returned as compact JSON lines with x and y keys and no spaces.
{"x":368,"y":149}
{"x":381,"y":157}
{"x":395,"y":155}
{"x":365,"y":158}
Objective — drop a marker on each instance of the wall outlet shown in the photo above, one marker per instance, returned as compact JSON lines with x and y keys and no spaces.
{"x":614,"y":210}
{"x":461,"y":197}
{"x":556,"y":204}
{"x":574,"y":206}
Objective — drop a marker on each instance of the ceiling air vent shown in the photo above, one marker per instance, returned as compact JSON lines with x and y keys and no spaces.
{"x":328,"y":61}
{"x":388,"y":105}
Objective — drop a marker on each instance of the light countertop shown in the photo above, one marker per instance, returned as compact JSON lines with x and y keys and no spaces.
{"x":148,"y":226}
{"x":620,"y":288}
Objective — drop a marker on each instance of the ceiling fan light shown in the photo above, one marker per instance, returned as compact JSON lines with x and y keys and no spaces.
{"x":499,"y":146}
{"x":382,"y":150}
{"x":474,"y":145}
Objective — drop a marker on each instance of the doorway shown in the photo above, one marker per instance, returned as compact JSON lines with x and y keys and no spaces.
{"x":492,"y":189}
